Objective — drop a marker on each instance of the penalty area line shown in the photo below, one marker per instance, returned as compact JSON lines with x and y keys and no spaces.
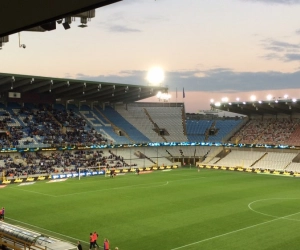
{"x":235,"y":231}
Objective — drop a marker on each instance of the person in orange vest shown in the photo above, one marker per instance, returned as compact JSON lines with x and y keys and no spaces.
{"x":106,"y":244}
{"x":95,"y":235}
{"x":92,"y":244}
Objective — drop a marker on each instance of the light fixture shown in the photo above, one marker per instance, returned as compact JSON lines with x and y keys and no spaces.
{"x":212,"y":100}
{"x":21,"y":45}
{"x":224,"y":99}
{"x":253,"y":98}
{"x":269,"y":97}
{"x":12,"y":82}
{"x":68,"y":83}
{"x":83,"y":22}
{"x":217,"y":104}
{"x":158,"y":95}
{"x":32,"y":80}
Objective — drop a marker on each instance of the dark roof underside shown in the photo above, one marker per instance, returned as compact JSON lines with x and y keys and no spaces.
{"x":273,"y":107}
{"x":16,"y":15}
{"x":75,"y":90}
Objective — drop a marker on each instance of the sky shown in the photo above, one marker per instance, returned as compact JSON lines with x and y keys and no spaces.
{"x":211,"y":48}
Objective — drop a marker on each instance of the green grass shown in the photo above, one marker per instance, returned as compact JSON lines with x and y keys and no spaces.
{"x":179,"y":209}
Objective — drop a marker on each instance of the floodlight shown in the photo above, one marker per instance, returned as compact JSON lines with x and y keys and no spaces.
{"x":224,"y":99}
{"x":217,"y":104}
{"x":158,"y":95}
{"x":253,"y":98}
{"x":269,"y":97}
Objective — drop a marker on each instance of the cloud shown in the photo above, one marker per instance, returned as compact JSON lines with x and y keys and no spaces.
{"x":292,"y":57}
{"x":213,"y":80}
{"x":289,"y":2}
{"x":283,"y":51}
{"x":122,"y":29}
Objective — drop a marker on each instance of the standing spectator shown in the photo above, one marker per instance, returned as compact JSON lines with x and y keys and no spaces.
{"x":92,"y":245}
{"x":106,"y":244}
{"x":1,"y":216}
{"x":3,"y":212}
{"x":79,"y":247}
{"x":95,"y":235}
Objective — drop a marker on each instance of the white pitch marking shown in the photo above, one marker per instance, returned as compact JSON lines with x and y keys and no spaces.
{"x":235,"y":231}
{"x":110,"y":189}
{"x":274,"y":216}
{"x":33,"y":192}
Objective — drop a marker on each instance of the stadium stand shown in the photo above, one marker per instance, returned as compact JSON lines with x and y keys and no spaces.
{"x":240,"y":158}
{"x":275,"y":161}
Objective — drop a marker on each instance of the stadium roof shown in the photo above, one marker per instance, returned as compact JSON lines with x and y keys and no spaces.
{"x":272,"y":107}
{"x":16,"y":86}
{"x":16,"y":16}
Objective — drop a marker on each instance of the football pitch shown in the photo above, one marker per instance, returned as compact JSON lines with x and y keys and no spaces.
{"x":168,"y":210}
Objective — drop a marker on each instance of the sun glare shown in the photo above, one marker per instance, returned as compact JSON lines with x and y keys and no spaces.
{"x":155,"y":76}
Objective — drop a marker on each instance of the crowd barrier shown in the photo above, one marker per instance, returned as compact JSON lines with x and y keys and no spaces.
{"x":82,"y":174}
{"x":251,"y":170}
{"x":150,"y":144}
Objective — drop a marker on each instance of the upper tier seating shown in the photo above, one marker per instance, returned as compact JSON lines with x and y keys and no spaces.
{"x":268,"y":131}
{"x":124,"y":125}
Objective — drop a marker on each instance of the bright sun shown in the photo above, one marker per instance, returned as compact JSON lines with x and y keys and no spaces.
{"x":155,"y":75}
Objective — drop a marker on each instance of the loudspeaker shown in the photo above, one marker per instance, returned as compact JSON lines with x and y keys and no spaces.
{"x":66,"y":25}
